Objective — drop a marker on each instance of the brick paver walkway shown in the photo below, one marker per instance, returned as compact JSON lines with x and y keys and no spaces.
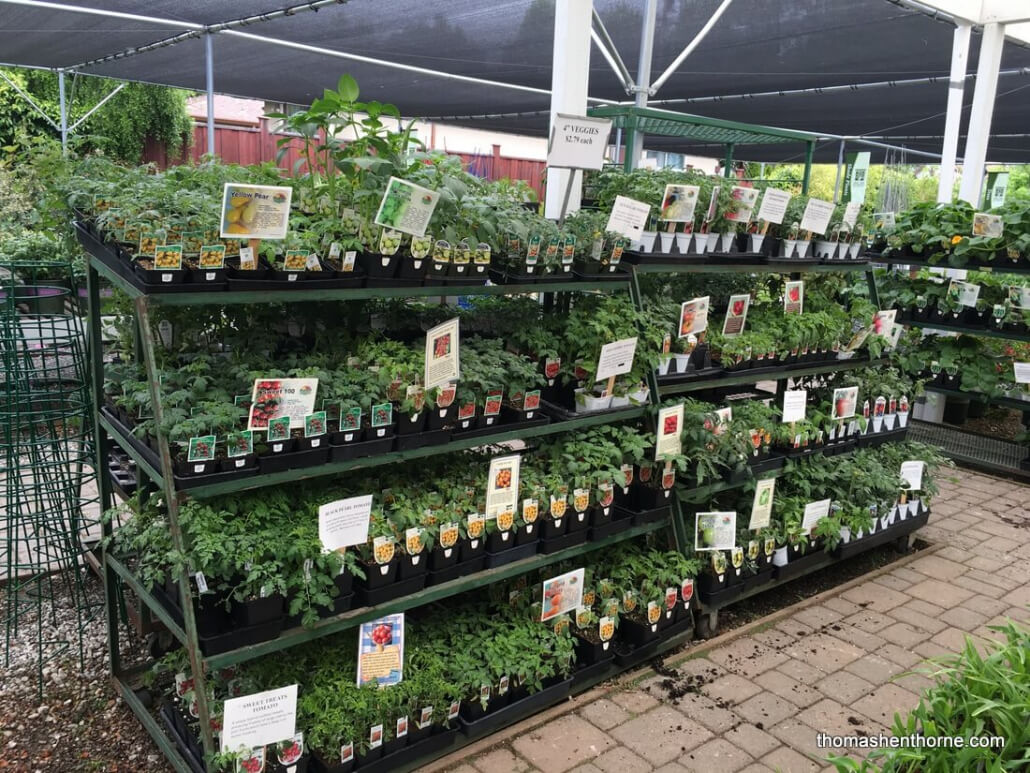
{"x":754,"y":702}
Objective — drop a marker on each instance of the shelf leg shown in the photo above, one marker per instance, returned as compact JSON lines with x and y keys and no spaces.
{"x":146,"y":342}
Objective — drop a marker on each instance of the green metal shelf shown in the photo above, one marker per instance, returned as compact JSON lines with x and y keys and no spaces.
{"x":263,"y":480}
{"x":355,"y":617}
{"x":1006,"y":402}
{"x":780,"y":267}
{"x":151,"y":725}
{"x":903,"y":261}
{"x":973,"y":331}
{"x":746,"y":377}
{"x":233,"y":297}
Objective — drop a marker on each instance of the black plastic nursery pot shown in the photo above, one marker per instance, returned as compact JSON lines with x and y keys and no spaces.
{"x":453,"y":572}
{"x":371,"y":597}
{"x":552,"y":528}
{"x":578,"y":520}
{"x":442,"y":558}
{"x":527,"y":532}
{"x":439,"y":418}
{"x":356,"y":450}
{"x":379,"y":575}
{"x":476,"y":726}
{"x":413,"y":269}
{"x":637,"y":631}
{"x":592,"y":650}
{"x":410,"y":424}
{"x":472,"y":548}
{"x":510,"y":555}
{"x":257,"y":611}
{"x":573,"y":538}
{"x":413,"y":565}
{"x":378,"y":267}
{"x":317,"y":442}
{"x":501,"y":540}
{"x":237,"y":463}
{"x":277,"y":462}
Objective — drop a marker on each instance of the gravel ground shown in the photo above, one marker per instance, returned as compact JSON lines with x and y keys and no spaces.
{"x":80,"y":725}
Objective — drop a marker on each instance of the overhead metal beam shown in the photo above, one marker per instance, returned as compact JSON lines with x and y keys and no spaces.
{"x":209,"y":73}
{"x":27,"y":98}
{"x":982,"y":111}
{"x":600,"y":36}
{"x":702,"y":33}
{"x":63,"y":107}
{"x":634,"y":138}
{"x":953,"y":114}
{"x":97,"y":106}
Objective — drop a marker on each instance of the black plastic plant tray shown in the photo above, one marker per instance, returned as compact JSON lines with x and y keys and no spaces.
{"x":395,"y":590}
{"x":592,"y":674}
{"x":189,"y":481}
{"x":538,"y":421}
{"x":340,"y":453}
{"x":614,"y":526}
{"x":180,"y":743}
{"x":454,"y":571}
{"x":548,"y":546}
{"x":671,"y":379}
{"x":737,"y":257}
{"x":681,"y":626}
{"x":722,"y":596}
{"x":773,"y":462}
{"x":421,"y":439}
{"x":431,"y":746}
{"x":564,"y":414}
{"x":664,"y":258}
{"x":331,"y":283}
{"x":511,"y":555}
{"x":294,"y":459}
{"x":640,"y":517}
{"x":627,"y":656}
{"x":800,"y":565}
{"x":619,"y":275}
{"x":760,"y":577}
{"x":516,"y":711}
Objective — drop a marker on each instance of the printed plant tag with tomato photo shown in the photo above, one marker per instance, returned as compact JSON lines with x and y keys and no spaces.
{"x":502,"y":491}
{"x":794,"y":297}
{"x":382,"y":415}
{"x":502,"y":686}
{"x":475,"y":522}
{"x":671,"y":596}
{"x":421,"y":246}
{"x":568,"y":252}
{"x":272,"y":398}
{"x":687,"y":589}
{"x":402,"y":727}
{"x":375,"y":736}
{"x":413,"y":541}
{"x":552,"y":366}
{"x":531,"y":401}
{"x":532,"y":249}
{"x":295,"y":260}
{"x":562,"y":594}
{"x":606,"y":628}
{"x":239,"y":443}
{"x":583,"y":617}
{"x":212,"y":257}
{"x":201,"y":449}
{"x":530,"y":510}
{"x":383,"y":549}
{"x":381,"y":651}
{"x":455,"y":707}
{"x":466,"y":411}
{"x":462,"y":253}
{"x":346,"y":752}
{"x":670,"y":427}
{"x":279,"y":429}
{"x":492,"y":406}
{"x":350,"y":419}
{"x":314,"y":424}
{"x":654,"y":612}
{"x":168,"y":257}
{"x":425,"y":717}
{"x":448,"y":535}
{"x":446,"y":396}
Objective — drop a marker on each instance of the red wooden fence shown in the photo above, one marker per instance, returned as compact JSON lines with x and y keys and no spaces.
{"x":254,"y":145}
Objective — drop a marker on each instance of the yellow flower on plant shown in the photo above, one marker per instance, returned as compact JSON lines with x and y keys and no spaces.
{"x":956,"y":239}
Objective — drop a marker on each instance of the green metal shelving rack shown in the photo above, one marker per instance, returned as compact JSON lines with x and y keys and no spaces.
{"x":117,"y":575}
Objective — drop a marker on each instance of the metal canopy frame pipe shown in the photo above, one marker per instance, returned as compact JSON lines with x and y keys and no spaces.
{"x":701,"y":35}
{"x":991,"y":44}
{"x":600,"y":35}
{"x":634,"y":138}
{"x":953,"y":118}
{"x":209,"y":73}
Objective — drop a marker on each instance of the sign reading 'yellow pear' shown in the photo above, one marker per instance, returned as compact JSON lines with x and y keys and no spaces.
{"x":255,"y":211}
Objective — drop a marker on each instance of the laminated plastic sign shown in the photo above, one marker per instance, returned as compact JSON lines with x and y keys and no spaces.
{"x":761,"y":507}
{"x":814,"y":512}
{"x":255,"y":211}
{"x":736,"y":315}
{"x":794,"y":402}
{"x":679,"y":203}
{"x":817,"y":216}
{"x":715,"y":531}
{"x":693,"y":316}
{"x":912,"y":474}
{"x":616,"y":358}
{"x":628,"y":217}
{"x":562,"y":594}
{"x":856,"y":173}
{"x":381,"y":651}
{"x":1021,"y":372}
{"x":794,"y":297}
{"x":442,"y":363}
{"x":406,"y":207}
{"x":774,"y":205}
{"x":344,"y":522}
{"x":261,"y":719}
{"x":845,"y":401}
{"x":578,"y":142}
{"x":276,"y":398}
{"x":744,"y":199}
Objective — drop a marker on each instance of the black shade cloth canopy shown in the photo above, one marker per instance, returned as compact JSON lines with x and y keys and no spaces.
{"x":757,"y":46}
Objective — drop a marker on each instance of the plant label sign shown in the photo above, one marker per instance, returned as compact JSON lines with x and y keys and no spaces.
{"x":562,"y":594}
{"x":963,"y":293}
{"x":794,"y":297}
{"x":616,"y":358}
{"x":679,"y":203}
{"x":442,"y":364}
{"x":502,"y":488}
{"x":1021,"y":372}
{"x":989,"y":226}
{"x":275,"y":398}
{"x":761,"y":508}
{"x":381,"y":651}
{"x":884,"y":220}
{"x":744,"y":199}
{"x":774,"y":205}
{"x":736,"y":315}
{"x":817,"y":216}
{"x":406,"y":207}
{"x":883,"y":322}
{"x":261,"y":719}
{"x":628,"y":217}
{"x":715,"y":531}
{"x":670,"y":425}
{"x":255,"y":211}
{"x":344,"y":522}
{"x":845,"y":401}
{"x":912,"y":474}
{"x":578,"y":142}
{"x":850,"y":216}
{"x":814,"y":512}
{"x":794,"y":402}
{"x":693,"y":316}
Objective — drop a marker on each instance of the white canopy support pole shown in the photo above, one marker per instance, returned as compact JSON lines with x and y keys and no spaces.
{"x":209,"y":71}
{"x":840,"y":165}
{"x":97,"y":106}
{"x":27,"y":98}
{"x":956,"y":93}
{"x":570,"y":76}
{"x":64,"y":111}
{"x":600,"y":35}
{"x":635,"y":139}
{"x":690,"y":46}
{"x":991,"y":43}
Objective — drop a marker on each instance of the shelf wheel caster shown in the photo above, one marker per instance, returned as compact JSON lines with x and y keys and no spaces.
{"x":706,"y":624}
